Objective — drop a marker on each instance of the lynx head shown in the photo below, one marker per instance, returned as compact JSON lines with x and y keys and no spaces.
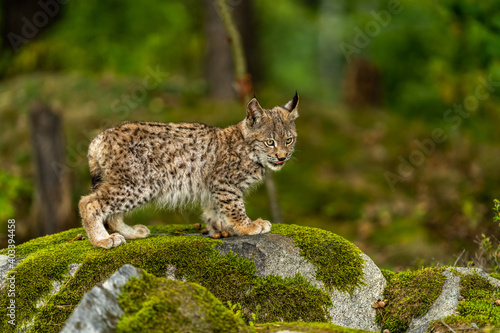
{"x":271,"y":133}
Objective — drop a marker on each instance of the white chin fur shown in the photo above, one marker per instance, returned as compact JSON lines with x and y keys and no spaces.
{"x":274,"y":167}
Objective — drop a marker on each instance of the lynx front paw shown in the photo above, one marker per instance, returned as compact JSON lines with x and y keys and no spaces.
{"x":258,"y":226}
{"x":264,"y":224}
{"x":113,"y":240}
{"x":140,"y":231}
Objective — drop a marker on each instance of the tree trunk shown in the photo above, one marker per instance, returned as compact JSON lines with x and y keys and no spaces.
{"x":362,"y":86}
{"x":26,"y":19}
{"x":220,"y":69}
{"x":51,"y":211}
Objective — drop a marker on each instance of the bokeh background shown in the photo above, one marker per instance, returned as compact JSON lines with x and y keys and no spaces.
{"x":398,"y":147}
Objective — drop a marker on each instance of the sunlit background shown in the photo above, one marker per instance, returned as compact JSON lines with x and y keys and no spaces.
{"x":398,"y":147}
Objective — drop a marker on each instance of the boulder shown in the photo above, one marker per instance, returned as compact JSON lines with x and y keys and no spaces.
{"x":292,"y":274}
{"x":440,"y":299}
{"x":150,"y":304}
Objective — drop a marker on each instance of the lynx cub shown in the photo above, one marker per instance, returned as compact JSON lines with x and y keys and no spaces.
{"x":175,"y":164}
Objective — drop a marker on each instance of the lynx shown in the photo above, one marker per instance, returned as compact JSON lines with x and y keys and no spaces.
{"x":174,"y":164}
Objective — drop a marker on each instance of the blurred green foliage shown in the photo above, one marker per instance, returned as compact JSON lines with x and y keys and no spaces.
{"x":13,"y":188}
{"x":431,"y":56}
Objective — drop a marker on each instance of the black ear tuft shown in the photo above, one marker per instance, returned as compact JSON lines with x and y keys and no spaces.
{"x":292,"y":106}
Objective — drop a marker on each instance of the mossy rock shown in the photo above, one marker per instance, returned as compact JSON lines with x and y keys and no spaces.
{"x":132,"y":300}
{"x":46,"y":293}
{"x":409,"y":295}
{"x":476,"y":308}
{"x":153,"y":304}
{"x":440,"y":299}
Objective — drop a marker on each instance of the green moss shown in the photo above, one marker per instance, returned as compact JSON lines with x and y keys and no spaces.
{"x":477,"y":307}
{"x":338,"y":261}
{"x":45,"y":242}
{"x":288,"y":299}
{"x":228,"y":277}
{"x":155,"y":304}
{"x":410,"y":295}
{"x":306,"y":328}
{"x":388,"y":275}
{"x":495,"y":275}
{"x":34,"y":275}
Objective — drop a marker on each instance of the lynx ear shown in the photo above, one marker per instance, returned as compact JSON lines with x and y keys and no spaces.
{"x":293,"y":107}
{"x":254,"y":112}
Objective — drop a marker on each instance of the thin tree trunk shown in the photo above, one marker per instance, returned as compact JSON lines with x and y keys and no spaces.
{"x":51,"y":211}
{"x":220,"y":71}
{"x":272,"y":194}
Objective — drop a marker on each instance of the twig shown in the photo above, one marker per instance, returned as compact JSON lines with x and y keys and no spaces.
{"x":56,"y":292}
{"x":492,"y":304}
{"x":79,"y":236}
{"x":460,"y":256}
{"x":451,"y":329}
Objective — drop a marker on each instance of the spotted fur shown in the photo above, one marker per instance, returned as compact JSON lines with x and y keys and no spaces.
{"x":175,"y":164}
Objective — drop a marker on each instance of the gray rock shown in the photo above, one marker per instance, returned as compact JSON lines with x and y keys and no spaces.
{"x":482,"y":273}
{"x":98,"y":311}
{"x":356,"y":311}
{"x":6,"y":266}
{"x":277,"y":254}
{"x":272,"y":254}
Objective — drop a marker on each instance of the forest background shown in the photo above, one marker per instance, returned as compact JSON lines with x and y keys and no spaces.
{"x":398,"y":147}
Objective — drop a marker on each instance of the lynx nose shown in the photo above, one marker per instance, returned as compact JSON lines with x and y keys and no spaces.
{"x":281,"y":159}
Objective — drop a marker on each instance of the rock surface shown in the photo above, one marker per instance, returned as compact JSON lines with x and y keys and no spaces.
{"x":6,"y":266}
{"x":276,"y":254}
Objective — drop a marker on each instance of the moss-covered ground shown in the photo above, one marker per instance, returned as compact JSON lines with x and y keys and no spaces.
{"x":228,"y":277}
{"x":410,"y":294}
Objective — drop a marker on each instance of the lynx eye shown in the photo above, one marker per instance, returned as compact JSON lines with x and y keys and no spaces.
{"x":269,"y":142}
{"x":289,"y":140}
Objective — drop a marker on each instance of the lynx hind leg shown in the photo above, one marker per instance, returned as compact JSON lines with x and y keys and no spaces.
{"x":107,"y":201}
{"x":216,"y":224}
{"x":116,"y":224}
{"x":92,"y":219}
{"x":211,"y":220}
